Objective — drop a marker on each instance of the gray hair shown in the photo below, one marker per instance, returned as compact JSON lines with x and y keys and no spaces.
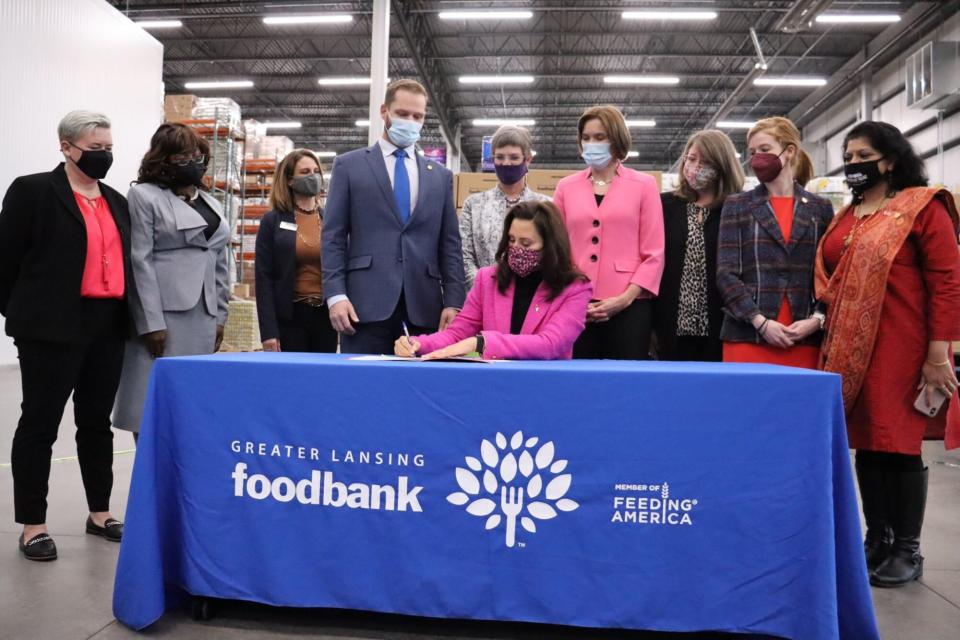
{"x":77,"y":124}
{"x":511,"y":136}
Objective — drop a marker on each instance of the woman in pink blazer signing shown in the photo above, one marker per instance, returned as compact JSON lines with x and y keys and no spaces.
{"x":531,"y":305}
{"x":615,"y":221}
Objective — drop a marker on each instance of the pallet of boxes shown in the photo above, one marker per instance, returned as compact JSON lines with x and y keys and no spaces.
{"x":262,"y":154}
{"x":540,"y":180}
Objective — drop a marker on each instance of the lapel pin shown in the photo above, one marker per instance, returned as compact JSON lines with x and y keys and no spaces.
{"x":429,"y":167}
{"x":536,"y":309}
{"x":803,"y":200}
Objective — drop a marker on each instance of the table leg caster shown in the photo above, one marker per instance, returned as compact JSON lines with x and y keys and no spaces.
{"x":201,"y":609}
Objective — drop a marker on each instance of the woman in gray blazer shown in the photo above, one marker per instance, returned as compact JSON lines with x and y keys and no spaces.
{"x":179,"y":253}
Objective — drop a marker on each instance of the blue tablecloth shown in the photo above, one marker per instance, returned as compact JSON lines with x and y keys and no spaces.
{"x":664,"y":496}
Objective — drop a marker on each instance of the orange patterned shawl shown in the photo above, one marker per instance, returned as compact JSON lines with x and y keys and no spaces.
{"x":855,"y":291}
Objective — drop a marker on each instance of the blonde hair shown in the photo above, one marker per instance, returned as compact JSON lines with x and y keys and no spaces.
{"x":613,"y":123}
{"x":787,"y":134}
{"x":717,"y":149}
{"x":281,"y":196}
{"x":411,"y":86}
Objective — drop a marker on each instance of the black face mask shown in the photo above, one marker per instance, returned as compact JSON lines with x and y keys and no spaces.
{"x":94,"y":163}
{"x":863,"y":175}
{"x":187,"y":175}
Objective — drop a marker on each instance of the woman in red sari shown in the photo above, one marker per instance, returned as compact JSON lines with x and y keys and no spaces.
{"x":888,"y":270}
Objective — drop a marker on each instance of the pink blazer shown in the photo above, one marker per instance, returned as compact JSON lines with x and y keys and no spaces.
{"x":620,"y":242}
{"x":548,"y":333}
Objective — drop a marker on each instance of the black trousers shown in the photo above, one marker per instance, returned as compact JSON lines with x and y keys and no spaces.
{"x":626,"y":336}
{"x":308,"y":330}
{"x":697,"y":349}
{"x":889,"y":461}
{"x":376,"y":338}
{"x":50,"y":372}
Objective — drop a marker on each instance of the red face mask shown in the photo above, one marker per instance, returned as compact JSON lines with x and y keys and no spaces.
{"x":766,"y":166}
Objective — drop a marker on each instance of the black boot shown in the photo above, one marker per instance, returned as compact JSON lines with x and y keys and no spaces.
{"x":905,"y":563}
{"x":879,"y":538}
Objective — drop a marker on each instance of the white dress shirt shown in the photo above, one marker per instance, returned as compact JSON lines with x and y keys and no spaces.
{"x":410,"y":162}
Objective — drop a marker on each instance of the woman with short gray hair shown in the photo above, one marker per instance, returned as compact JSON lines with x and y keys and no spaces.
{"x":64,"y":285}
{"x":481,"y":221}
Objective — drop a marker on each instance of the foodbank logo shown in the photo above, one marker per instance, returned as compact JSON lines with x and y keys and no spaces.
{"x":511,"y":481}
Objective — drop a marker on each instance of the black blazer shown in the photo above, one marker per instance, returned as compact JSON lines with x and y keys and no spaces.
{"x":276,"y":271}
{"x":667,"y":303}
{"x":43,"y":249}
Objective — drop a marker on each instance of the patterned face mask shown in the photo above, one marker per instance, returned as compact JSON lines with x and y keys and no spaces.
{"x":523,"y":261}
{"x":701,"y":177}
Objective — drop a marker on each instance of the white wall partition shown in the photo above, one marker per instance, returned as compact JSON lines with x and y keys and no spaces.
{"x":56,"y":56}
{"x":826,"y":132}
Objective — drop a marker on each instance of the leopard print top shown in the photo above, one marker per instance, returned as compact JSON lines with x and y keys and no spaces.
{"x":692,"y":313}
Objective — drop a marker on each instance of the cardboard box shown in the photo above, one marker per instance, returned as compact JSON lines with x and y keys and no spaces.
{"x":471,"y":183}
{"x":545,"y":180}
{"x":177,"y":108}
{"x":540,"y":180}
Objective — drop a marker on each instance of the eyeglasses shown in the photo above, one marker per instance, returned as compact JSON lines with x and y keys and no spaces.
{"x":180,"y":161}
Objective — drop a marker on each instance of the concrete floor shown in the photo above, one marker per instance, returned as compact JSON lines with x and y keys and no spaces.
{"x":71,"y":597}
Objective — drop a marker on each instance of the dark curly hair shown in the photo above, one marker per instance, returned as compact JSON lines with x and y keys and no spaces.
{"x":908,"y":169}
{"x":556,"y":265}
{"x":170,"y":139}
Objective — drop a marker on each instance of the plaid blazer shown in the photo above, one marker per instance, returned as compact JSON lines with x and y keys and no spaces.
{"x":756,"y":268}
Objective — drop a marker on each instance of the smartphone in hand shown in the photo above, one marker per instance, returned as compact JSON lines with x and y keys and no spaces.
{"x":931,"y":409}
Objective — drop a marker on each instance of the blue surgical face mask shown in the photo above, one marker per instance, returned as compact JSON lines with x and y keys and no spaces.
{"x":404,"y":133}
{"x":597,"y":154}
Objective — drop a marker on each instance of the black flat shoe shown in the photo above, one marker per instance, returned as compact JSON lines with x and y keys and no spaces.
{"x":40,"y":548}
{"x":112,"y":529}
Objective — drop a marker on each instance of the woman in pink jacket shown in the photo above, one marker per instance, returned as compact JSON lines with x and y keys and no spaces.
{"x":531,"y":305}
{"x":615,"y":221}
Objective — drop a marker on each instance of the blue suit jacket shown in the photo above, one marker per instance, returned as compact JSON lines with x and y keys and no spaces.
{"x":371,"y":257}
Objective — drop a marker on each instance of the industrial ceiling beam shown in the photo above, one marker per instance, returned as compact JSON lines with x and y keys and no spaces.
{"x":419,"y":40}
{"x":894,"y":40}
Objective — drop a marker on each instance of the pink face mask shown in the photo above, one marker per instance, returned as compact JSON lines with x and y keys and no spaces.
{"x":523,"y":261}
{"x":699,"y":178}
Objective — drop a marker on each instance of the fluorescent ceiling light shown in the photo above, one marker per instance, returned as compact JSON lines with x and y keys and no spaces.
{"x":496,"y":79}
{"x":669,"y":15}
{"x":770,"y":81}
{"x":633,"y":154}
{"x":641,"y":80}
{"x":362,"y":123}
{"x":224,"y":84}
{"x":735,"y":124}
{"x":325,"y":154}
{"x":320,"y":18}
{"x":857,"y":18}
{"x":486,"y":15}
{"x":343,"y":82}
{"x":288,"y":124}
{"x":498,"y":122}
{"x":158,"y":24}
{"x":641,"y":123}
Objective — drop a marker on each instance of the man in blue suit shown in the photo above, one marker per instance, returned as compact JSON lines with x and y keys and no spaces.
{"x":391,"y":242}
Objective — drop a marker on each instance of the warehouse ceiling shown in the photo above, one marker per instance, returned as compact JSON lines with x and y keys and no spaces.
{"x":567,"y":46}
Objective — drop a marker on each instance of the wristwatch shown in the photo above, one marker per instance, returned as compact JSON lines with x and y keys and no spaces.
{"x":481,"y":343}
{"x":821,"y":318}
